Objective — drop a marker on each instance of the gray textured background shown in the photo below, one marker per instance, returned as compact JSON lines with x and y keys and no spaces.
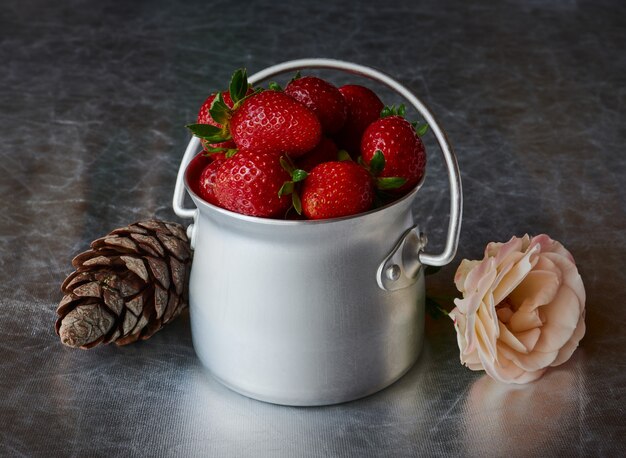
{"x":93,"y":99}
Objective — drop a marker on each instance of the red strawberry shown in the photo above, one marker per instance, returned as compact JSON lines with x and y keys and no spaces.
{"x":335,"y":189}
{"x":249,"y":182}
{"x":271,"y":121}
{"x":364,"y":108}
{"x":326,"y":151}
{"x":403,"y":151}
{"x":322,"y":98}
{"x":206,"y":183}
{"x":204,"y":117}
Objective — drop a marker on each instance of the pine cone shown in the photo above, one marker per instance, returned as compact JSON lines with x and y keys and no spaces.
{"x":127,"y":286}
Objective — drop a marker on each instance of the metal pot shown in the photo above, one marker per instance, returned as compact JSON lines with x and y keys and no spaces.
{"x":311,"y":312}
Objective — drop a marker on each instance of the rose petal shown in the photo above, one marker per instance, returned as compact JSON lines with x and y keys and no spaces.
{"x":470,"y":359}
{"x":561,"y":319}
{"x":504,"y":314}
{"x":525,"y":242}
{"x":461,"y":273}
{"x":506,"y":250}
{"x":572,"y":344}
{"x":529,"y":338}
{"x":490,"y":310}
{"x":506,"y":266}
{"x":507,"y":372}
{"x":481,"y":277}
{"x":500,"y":251}
{"x":470,"y":334}
{"x":486,"y":335}
{"x":507,"y":338}
{"x":538,"y":288}
{"x":569,"y":275}
{"x":551,"y":246}
{"x":480,"y":280}
{"x":459,"y":326}
{"x":523,"y":321}
{"x":529,"y":362}
{"x":512,"y":279}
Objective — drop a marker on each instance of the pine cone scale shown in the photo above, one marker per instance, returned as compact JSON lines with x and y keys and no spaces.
{"x":174,"y":246}
{"x":160,"y":301}
{"x":91,"y":289}
{"x":159,"y":271}
{"x":85,"y":325}
{"x":179,"y":274}
{"x":112,"y":300}
{"x":150,"y":242}
{"x":136,"y":266}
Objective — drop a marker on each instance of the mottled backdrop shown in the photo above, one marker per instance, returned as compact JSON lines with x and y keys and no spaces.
{"x":93,"y":100}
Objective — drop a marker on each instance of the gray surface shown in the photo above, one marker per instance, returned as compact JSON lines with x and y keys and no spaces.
{"x":93,"y":97}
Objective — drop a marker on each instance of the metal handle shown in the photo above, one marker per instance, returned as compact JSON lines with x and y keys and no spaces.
{"x":454,"y":177}
{"x":178,"y":201}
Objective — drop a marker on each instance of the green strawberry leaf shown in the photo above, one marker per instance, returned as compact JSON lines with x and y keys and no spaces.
{"x":287,"y":164}
{"x":286,"y":188}
{"x":393,"y":111}
{"x":296,"y":202}
{"x":238,"y":85}
{"x":274,"y":86}
{"x":299,"y":175}
{"x":389,"y":182}
{"x":377,"y":164}
{"x":208,"y":132}
{"x":343,"y":155}
{"x":219,"y":111}
{"x":421,"y":129}
{"x":297,"y":76}
{"x":212,"y":149}
{"x":230,"y":152}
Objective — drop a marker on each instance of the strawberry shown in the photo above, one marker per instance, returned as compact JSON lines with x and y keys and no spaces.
{"x":402,"y":151}
{"x":204,"y":117}
{"x":324,"y":152}
{"x":263,"y":121}
{"x":249,"y":182}
{"x":323,"y":98}
{"x":335,"y":189}
{"x":364,"y":107}
{"x":272,"y":121}
{"x":206,"y":182}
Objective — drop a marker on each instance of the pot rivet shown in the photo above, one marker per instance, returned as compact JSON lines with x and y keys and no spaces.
{"x":393,"y":272}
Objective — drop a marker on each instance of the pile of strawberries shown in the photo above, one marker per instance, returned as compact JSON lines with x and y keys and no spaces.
{"x":309,"y":151}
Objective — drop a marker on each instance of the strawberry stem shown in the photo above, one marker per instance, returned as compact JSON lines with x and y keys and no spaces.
{"x":274,"y":86}
{"x":291,"y":187}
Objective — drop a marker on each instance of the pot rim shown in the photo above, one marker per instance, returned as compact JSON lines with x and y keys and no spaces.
{"x":284,"y":222}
